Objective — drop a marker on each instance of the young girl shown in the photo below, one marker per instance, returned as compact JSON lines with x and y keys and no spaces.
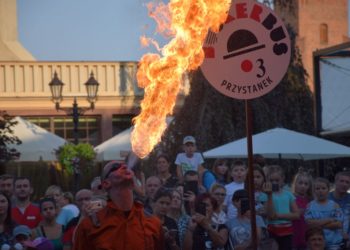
{"x":325,"y":213}
{"x":48,"y":227}
{"x":302,"y":189}
{"x":281,"y":208}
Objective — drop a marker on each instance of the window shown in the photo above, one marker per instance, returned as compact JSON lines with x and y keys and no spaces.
{"x":324,"y":33}
{"x":88,"y":128}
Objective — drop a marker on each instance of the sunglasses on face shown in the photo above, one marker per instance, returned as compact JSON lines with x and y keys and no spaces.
{"x":112,"y":169}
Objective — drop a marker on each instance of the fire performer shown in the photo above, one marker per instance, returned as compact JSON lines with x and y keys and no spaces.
{"x":122,"y":224}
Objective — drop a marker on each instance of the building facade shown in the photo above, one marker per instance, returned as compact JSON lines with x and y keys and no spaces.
{"x":318,"y":24}
{"x":25,"y":91}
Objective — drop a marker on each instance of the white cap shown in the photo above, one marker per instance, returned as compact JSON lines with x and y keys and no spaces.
{"x":188,"y":139}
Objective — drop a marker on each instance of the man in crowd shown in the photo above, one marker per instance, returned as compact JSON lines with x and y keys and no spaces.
{"x":82,"y":198}
{"x":6,"y":186}
{"x":153,"y":183}
{"x":122,"y":224}
{"x":341,"y":196}
{"x":24,"y":212}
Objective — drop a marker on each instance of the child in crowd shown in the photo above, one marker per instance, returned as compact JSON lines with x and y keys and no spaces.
{"x":281,"y":208}
{"x":315,"y":239}
{"x":239,"y":228}
{"x":48,"y":227}
{"x":217,"y":174}
{"x":189,"y":160}
{"x":325,"y":213}
{"x":302,"y":190}
{"x":238,"y":174}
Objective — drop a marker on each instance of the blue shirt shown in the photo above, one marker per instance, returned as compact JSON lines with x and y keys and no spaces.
{"x":344,"y":204}
{"x":240,"y":230}
{"x":316,"y":211}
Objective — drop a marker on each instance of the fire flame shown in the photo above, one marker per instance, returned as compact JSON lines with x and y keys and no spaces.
{"x":187,"y":22}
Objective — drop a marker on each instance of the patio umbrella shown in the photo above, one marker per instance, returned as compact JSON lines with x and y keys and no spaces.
{"x":282,"y":143}
{"x":115,"y":148}
{"x":37,"y":143}
{"x":119,"y":146}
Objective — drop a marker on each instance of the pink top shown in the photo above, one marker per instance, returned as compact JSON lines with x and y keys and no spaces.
{"x":299,"y":226}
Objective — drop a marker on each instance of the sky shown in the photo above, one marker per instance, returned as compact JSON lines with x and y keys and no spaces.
{"x":85,"y":30}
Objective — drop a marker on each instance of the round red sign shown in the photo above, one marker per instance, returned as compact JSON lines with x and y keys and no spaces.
{"x":250,"y":54}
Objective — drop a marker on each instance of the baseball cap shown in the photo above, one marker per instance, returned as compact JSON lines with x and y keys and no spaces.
{"x":21,"y":229}
{"x":188,"y":139}
{"x":109,"y":168}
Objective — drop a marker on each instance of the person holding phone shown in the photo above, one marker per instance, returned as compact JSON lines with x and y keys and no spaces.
{"x":161,"y":206}
{"x":201,"y":233}
{"x":239,"y":228}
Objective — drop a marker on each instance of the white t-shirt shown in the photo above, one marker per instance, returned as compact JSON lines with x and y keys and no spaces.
{"x":230,"y":190}
{"x":189,"y":163}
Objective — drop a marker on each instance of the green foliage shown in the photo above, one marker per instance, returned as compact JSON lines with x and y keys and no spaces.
{"x":7,"y":137}
{"x":80,"y":155}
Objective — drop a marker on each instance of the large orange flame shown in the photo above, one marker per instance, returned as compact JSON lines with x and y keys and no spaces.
{"x":187,"y":22}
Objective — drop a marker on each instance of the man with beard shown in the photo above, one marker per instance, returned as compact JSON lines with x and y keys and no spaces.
{"x":25,"y":212}
{"x":6,"y":185}
{"x":122,"y":224}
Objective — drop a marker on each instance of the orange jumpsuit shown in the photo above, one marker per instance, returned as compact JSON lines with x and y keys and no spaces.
{"x":120,"y":231}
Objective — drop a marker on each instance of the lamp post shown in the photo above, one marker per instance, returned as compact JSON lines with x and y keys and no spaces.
{"x":56,"y":87}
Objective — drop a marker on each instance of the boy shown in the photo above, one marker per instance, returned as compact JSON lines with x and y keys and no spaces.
{"x":189,"y":160}
{"x":240,"y":228}
{"x":238,"y":174}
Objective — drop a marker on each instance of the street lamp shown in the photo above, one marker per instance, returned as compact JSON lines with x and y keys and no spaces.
{"x":56,"y":87}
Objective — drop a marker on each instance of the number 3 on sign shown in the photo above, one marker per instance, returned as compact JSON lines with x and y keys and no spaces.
{"x":261,"y":67}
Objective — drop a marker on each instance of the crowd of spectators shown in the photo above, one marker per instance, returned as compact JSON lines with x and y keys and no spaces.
{"x":192,"y":208}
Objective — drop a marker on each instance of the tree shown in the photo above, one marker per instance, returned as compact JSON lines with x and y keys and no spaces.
{"x":7,"y":137}
{"x":215,"y":119}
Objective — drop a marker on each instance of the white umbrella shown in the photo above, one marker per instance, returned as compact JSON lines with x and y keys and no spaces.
{"x":282,"y":143}
{"x":119,"y":146}
{"x":115,"y":148}
{"x":37,"y":143}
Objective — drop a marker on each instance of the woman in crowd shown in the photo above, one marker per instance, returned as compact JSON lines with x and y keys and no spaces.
{"x":202,"y":234}
{"x":177,"y":212}
{"x":218,"y":192}
{"x":302,"y":190}
{"x":260,"y":196}
{"x":6,"y":223}
{"x":160,"y":206}
{"x":48,"y":227}
{"x":218,"y":174}
{"x":163,"y":172}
